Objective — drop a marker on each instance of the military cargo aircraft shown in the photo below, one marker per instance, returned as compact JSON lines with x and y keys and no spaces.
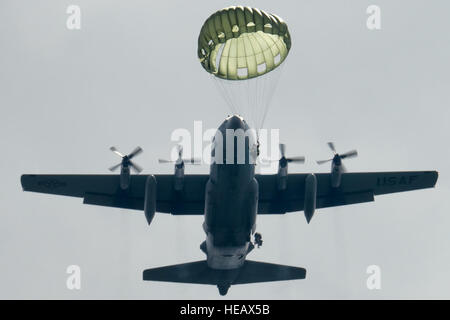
{"x":230,"y":198}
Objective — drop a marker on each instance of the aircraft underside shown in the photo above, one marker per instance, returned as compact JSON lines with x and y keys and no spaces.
{"x":230,"y":197}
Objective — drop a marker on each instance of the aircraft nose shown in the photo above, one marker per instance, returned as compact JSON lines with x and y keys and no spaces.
{"x":235,"y":122}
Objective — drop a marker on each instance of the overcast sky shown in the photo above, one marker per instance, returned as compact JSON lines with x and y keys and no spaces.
{"x":131,"y":76}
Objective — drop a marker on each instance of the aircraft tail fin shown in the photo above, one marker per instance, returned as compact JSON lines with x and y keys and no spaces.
{"x":198,"y":272}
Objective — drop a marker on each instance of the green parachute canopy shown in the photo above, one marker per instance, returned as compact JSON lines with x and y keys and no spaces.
{"x":243,"y":49}
{"x":239,"y":43}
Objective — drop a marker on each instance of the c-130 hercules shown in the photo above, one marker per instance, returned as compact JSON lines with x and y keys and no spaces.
{"x":230,"y":198}
{"x":240,"y":47}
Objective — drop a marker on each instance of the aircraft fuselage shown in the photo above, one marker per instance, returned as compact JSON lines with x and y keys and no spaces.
{"x":231,"y":198}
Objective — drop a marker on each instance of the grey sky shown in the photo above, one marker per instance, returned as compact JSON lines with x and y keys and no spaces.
{"x":130,"y":76}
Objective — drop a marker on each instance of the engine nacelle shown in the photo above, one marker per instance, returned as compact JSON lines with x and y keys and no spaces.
{"x":125,"y":178}
{"x":282,"y":177}
{"x":150,"y":198}
{"x":178,"y":181}
{"x":310,"y":196}
{"x":336,"y":174}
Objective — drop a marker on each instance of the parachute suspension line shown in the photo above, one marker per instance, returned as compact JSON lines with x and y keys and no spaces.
{"x":222,"y":88}
{"x":224,"y":93}
{"x":259,"y":101}
{"x":275,"y":74}
{"x":250,"y":98}
{"x":253,"y":85}
{"x":251,"y":101}
{"x":264,"y":102}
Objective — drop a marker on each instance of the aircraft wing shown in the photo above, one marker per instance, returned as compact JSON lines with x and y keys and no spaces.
{"x":355,"y":188}
{"x":104,"y":190}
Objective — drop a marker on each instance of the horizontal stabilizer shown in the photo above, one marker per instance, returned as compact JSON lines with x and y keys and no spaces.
{"x":192,"y":272}
{"x":198,"y":272}
{"x":254,"y":271}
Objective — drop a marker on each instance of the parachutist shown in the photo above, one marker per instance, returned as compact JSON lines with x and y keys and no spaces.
{"x":258,"y":239}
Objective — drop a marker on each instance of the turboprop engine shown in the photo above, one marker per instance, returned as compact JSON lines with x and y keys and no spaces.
{"x":179,"y":167}
{"x":283,"y":162}
{"x":125,"y":166}
{"x":337,"y":168}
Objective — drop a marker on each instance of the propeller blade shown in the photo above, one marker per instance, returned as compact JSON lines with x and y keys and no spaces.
{"x":136,"y":168}
{"x":349,"y":154}
{"x":126,"y":159}
{"x":323,"y":161}
{"x":135,"y":152}
{"x":165,"y":161}
{"x":114,"y":149}
{"x":282,"y":149}
{"x":331,"y":145}
{"x":194,"y":161}
{"x":296,"y":159}
{"x":113,"y":168}
{"x":180,"y":151}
